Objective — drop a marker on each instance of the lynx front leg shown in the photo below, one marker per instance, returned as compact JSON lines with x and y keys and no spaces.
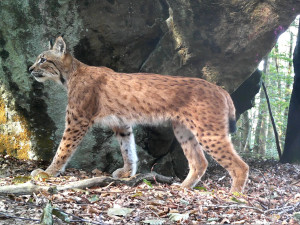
{"x":125,"y":138}
{"x":73,"y":134}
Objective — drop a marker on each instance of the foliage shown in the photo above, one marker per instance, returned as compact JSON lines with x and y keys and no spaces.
{"x":255,"y":134}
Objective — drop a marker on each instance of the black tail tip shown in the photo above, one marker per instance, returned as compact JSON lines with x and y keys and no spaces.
{"x":232,"y":125}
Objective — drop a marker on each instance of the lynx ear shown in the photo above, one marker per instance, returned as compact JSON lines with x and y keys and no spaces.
{"x":51,"y":44}
{"x":60,"y":46}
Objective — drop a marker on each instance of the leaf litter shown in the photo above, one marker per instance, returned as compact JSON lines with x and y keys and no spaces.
{"x":272,"y":196}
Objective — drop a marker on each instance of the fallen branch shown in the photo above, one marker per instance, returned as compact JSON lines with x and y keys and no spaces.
{"x":79,"y":219}
{"x":234,"y":206}
{"x":4,"y":216}
{"x":284,"y":209}
{"x":31,"y":187}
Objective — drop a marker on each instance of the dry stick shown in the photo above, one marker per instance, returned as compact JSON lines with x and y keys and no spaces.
{"x":272,"y":120}
{"x":281,"y":210}
{"x":284,"y":209}
{"x":270,"y":193}
{"x":128,"y":191}
{"x":152,"y":168}
{"x":30,"y":187}
{"x":79,"y":219}
{"x":296,"y":182}
{"x":234,"y":206}
{"x":16,"y":217}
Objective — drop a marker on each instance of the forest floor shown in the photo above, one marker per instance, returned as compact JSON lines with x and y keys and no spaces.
{"x":272,"y":196}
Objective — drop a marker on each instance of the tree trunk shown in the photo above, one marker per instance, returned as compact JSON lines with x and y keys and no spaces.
{"x":273,"y":121}
{"x":265,"y":114}
{"x":291,"y":152}
{"x":260,"y":131}
{"x":288,"y":80}
{"x":246,"y":134}
{"x":257,"y":139}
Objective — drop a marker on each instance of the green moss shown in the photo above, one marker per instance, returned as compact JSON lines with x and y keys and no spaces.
{"x":26,"y":25}
{"x":16,"y":141}
{"x":53,"y":8}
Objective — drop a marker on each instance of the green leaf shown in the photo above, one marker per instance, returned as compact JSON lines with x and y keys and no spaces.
{"x":154,"y":221}
{"x":200,"y":188}
{"x":148,"y":183}
{"x":118,"y":211}
{"x":94,"y":198}
{"x":237,"y":194}
{"x":178,"y":216}
{"x":46,"y":218}
{"x":238,"y":200}
{"x":61,"y":215}
{"x":21,"y":179}
{"x":138,"y":194}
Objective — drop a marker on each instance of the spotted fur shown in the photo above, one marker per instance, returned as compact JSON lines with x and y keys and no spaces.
{"x":201,"y":113}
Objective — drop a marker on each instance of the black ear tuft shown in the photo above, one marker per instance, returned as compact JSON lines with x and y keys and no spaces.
{"x":51,"y":43}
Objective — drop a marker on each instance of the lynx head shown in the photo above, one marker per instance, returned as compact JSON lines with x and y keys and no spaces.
{"x":54,"y":64}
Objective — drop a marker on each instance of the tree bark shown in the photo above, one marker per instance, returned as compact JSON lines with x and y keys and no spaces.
{"x":258,"y":129}
{"x":262,"y":149}
{"x":246,"y":135}
{"x":291,"y":152}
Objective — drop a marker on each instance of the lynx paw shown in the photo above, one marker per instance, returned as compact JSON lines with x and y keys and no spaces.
{"x":239,"y":189}
{"x":35,"y":172}
{"x":189,"y":183}
{"x":52,"y":172}
{"x":121,"y":173}
{"x":40,"y":174}
{"x":49,"y":173}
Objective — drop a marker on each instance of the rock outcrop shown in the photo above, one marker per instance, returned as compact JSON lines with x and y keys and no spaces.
{"x":221,"y":41}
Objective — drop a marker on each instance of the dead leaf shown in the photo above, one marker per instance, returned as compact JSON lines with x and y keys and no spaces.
{"x":178,"y":216}
{"x":154,"y":221}
{"x":97,"y":172}
{"x":118,"y":211}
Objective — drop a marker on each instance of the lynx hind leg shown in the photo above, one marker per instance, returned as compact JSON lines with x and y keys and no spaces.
{"x":221,"y":149}
{"x":194,"y":154}
{"x":126,"y":141}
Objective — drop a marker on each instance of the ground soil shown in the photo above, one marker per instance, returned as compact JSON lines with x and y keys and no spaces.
{"x":272,"y":196}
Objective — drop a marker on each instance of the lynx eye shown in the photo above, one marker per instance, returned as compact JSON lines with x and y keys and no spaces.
{"x":42,"y":60}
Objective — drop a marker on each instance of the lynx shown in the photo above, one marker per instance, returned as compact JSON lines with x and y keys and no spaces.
{"x":201,"y":113}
